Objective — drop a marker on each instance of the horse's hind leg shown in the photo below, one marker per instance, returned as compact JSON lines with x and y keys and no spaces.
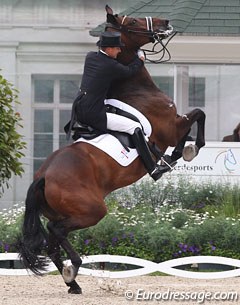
{"x":54,"y":254}
{"x":58,"y":236}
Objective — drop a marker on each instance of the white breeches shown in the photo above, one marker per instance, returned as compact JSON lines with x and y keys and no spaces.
{"x":120,"y":123}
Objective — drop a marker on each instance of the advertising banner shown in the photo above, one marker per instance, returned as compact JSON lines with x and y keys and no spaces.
{"x":220,"y":160}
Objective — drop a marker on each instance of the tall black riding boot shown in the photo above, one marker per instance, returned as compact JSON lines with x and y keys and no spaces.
{"x":153,"y":169}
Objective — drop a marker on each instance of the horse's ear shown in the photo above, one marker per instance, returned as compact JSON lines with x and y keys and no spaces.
{"x":108,"y":10}
{"x":110,"y":17}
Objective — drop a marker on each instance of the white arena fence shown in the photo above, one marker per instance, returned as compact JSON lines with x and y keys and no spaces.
{"x":143,"y":266}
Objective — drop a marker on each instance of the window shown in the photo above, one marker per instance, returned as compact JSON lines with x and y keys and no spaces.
{"x":196,"y":92}
{"x":43,"y":92}
{"x":52,"y":103}
{"x":212,"y":88}
{"x":165,"y":83}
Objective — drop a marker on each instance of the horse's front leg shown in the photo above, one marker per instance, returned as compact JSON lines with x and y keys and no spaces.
{"x":177,"y":153}
{"x":58,"y":236}
{"x":183,"y":125}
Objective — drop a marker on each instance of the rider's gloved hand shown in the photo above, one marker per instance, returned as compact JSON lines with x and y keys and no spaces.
{"x":141,"y":54}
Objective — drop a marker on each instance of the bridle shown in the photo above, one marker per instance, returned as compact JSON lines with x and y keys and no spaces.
{"x":157,"y":38}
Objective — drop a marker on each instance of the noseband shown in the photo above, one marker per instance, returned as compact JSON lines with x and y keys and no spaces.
{"x":156,"y":36}
{"x":160,"y":34}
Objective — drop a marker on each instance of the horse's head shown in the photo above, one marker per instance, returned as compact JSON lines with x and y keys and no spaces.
{"x":136,"y":32}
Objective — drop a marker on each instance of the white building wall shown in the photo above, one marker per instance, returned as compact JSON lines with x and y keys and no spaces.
{"x":53,"y":37}
{"x":40,"y":38}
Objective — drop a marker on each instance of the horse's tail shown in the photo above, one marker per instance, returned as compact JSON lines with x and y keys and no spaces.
{"x":34,"y":236}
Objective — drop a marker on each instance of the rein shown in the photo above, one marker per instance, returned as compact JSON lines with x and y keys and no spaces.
{"x":156,"y":36}
{"x":163,"y":51}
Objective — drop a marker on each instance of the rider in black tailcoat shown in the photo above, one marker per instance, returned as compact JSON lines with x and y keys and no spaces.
{"x":100,"y":69}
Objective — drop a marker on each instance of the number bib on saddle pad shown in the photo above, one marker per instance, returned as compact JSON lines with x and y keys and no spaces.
{"x":110,"y":144}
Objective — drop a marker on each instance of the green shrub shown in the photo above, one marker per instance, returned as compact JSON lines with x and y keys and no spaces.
{"x":156,"y":232}
{"x":10,"y":226}
{"x":230,"y":201}
{"x":11,"y":144}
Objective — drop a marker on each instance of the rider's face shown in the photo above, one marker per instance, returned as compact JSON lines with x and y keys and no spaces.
{"x":113,"y":51}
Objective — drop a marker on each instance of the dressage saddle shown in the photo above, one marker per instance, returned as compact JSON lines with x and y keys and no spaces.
{"x":89,"y":133}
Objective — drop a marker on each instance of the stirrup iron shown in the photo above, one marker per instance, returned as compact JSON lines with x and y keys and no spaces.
{"x":169,"y":165}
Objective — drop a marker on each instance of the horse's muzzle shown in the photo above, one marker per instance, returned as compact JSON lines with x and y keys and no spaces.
{"x":163,"y":33}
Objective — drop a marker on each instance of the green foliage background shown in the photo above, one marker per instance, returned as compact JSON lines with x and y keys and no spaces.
{"x":179,"y":219}
{"x":11,"y":143}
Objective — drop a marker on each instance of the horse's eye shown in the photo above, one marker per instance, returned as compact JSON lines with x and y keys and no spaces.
{"x":133,"y":22}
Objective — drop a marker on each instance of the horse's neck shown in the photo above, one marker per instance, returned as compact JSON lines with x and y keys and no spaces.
{"x":141,"y":83}
{"x":126,"y":56}
{"x":142,"y":80}
{"x":140,"y":92}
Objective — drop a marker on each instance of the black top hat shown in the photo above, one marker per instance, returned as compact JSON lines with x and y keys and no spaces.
{"x":110,"y":39}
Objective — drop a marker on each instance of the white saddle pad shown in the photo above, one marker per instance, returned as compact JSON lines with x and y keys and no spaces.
{"x":110,"y":145}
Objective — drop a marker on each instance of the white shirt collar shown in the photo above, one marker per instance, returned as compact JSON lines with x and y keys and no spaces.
{"x":103,"y":52}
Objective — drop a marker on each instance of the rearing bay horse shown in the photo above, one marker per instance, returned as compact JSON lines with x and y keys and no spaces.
{"x":70,"y":187}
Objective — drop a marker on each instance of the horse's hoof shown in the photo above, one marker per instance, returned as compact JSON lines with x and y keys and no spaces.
{"x":75,"y":290}
{"x":190,"y":152}
{"x":69,"y":273}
